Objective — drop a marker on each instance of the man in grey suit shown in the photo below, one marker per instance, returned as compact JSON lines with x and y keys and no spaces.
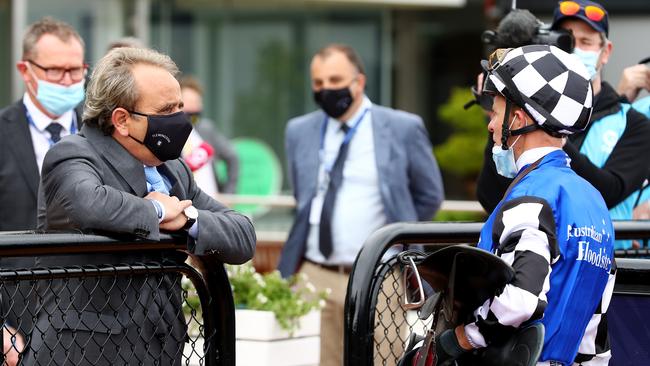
{"x":354,"y":166}
{"x":122,"y":173}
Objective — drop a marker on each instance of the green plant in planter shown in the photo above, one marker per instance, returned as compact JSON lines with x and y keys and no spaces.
{"x":289,"y":299}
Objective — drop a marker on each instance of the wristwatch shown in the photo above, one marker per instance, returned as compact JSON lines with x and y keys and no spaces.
{"x":192,"y":214}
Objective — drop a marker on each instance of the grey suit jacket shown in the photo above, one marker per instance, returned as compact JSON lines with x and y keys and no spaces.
{"x":409,"y":179}
{"x":19,"y":174}
{"x":90,"y":181}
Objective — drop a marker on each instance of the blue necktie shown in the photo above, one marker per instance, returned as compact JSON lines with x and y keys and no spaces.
{"x":54,"y":129}
{"x":155,"y":180}
{"x":336,"y":178}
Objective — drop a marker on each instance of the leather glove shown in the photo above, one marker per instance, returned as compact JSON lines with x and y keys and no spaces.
{"x":447,"y":348}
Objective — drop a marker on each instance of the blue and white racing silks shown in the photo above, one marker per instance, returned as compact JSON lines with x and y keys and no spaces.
{"x":554,"y":229}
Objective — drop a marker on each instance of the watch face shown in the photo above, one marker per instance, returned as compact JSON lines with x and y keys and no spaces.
{"x":191,"y":213}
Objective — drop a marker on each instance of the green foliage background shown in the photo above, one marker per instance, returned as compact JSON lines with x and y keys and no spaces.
{"x":462,"y":153}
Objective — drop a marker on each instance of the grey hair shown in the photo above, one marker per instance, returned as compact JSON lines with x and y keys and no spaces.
{"x":47,"y":25}
{"x":112,"y":84}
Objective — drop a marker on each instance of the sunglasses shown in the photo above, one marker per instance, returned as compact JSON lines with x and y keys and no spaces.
{"x":592,"y":12}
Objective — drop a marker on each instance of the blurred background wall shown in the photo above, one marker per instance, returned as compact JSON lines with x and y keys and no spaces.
{"x":253,"y":55}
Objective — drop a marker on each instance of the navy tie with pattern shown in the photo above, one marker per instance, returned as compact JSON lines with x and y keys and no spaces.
{"x":336,"y":178}
{"x":54,"y":129}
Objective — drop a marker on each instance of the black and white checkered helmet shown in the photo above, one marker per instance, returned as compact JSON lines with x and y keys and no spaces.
{"x":551,"y":85}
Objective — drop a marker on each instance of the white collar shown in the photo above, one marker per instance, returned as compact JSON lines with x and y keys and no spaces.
{"x":41,"y":120}
{"x":532,"y":155}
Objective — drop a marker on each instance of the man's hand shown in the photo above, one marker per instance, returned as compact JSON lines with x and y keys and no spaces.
{"x":633,"y":79}
{"x":11,"y":347}
{"x":176,"y":223}
{"x":174,"y":218}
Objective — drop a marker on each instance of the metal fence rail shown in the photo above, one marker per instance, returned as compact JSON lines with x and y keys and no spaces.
{"x":376,"y":326}
{"x":77,"y":299}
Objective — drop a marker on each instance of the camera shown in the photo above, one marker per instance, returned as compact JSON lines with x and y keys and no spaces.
{"x":520,"y":28}
{"x":561,"y":38}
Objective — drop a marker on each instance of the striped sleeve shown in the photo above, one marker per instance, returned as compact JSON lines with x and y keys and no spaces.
{"x":525,"y":231}
{"x":594,"y":349}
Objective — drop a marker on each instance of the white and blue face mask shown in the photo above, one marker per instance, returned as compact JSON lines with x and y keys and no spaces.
{"x":589,"y":59}
{"x":504,"y":160}
{"x":58,"y":99}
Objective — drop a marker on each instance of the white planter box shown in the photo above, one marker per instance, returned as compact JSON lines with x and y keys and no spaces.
{"x":261,"y":340}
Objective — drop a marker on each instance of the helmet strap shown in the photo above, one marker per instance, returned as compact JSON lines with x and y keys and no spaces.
{"x":505,"y":127}
{"x":525,"y":129}
{"x":507,"y":132}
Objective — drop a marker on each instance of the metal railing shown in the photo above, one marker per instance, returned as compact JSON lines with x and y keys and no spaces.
{"x":73,"y":298}
{"x":376,"y":326}
{"x":289,"y":201}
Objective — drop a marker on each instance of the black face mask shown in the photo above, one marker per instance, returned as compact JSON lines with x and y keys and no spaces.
{"x":335,"y":102}
{"x":166,"y":134}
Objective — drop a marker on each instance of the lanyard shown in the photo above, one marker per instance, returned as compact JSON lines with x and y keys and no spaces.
{"x":346,"y":140}
{"x":73,"y":125}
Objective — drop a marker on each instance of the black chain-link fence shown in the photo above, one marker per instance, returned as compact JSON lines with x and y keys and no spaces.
{"x":393,"y":324}
{"x":107,"y":302}
{"x":378,"y":327}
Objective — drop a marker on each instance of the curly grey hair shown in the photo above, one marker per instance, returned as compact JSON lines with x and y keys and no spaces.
{"x":112,"y":84}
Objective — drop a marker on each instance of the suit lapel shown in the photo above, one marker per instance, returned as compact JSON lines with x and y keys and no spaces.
{"x":130,"y":169}
{"x":382,"y":141}
{"x":19,"y":136}
{"x":311,"y":159}
{"x":172,"y":176}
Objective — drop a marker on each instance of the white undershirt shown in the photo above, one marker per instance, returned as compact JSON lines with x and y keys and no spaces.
{"x":358,"y":210}
{"x":534,"y":154}
{"x":41,"y":139}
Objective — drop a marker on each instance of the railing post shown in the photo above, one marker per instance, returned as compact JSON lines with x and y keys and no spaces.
{"x":218,"y":310}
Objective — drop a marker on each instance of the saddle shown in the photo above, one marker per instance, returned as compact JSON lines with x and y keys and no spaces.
{"x":448,"y":285}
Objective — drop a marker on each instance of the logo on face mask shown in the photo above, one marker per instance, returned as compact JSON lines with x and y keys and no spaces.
{"x":166,"y":134}
{"x":335,"y":102}
{"x":159,"y":136}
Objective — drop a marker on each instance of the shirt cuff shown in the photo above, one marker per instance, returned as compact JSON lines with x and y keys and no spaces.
{"x":194,"y":230}
{"x":160,"y":210}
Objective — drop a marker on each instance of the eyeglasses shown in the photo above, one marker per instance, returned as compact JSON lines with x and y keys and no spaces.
{"x":592,"y":12}
{"x":57,"y":73}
